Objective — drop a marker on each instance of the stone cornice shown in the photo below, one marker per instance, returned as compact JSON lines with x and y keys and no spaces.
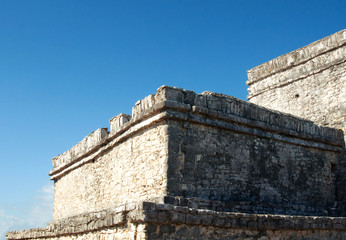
{"x":298,"y":57}
{"x":207,"y":108}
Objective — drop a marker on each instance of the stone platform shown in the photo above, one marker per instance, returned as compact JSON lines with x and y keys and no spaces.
{"x":148,"y":220}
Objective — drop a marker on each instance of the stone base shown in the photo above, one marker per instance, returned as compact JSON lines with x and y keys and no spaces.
{"x":148,"y":220}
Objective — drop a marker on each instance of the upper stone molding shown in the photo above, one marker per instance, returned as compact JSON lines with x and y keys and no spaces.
{"x":297,"y":57}
{"x":204,"y":108}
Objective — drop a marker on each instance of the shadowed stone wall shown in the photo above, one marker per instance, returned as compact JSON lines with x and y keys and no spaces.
{"x":309,"y":82}
{"x":250,"y":166}
{"x":269,"y":176}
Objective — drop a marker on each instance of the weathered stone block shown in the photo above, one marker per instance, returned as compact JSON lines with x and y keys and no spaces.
{"x":117,"y":122}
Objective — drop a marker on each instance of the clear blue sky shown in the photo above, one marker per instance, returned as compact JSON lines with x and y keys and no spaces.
{"x":68,"y":66}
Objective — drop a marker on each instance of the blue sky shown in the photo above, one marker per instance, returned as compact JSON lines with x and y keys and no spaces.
{"x":67,"y":67}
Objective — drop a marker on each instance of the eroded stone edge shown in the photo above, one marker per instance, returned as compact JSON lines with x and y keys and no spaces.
{"x":222,"y":110}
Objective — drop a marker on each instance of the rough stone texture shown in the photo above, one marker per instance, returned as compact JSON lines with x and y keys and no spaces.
{"x":268,"y":175}
{"x":210,"y":166}
{"x":208,"y":146}
{"x":130,"y":171}
{"x":147,"y":220}
{"x":309,"y":82}
{"x":117,"y":121}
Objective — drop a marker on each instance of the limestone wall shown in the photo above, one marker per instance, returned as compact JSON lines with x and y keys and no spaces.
{"x":269,"y":176}
{"x":261,"y":166}
{"x":207,"y":146}
{"x":104,"y":170}
{"x":127,"y":164}
{"x":130,"y":171}
{"x":309,"y":82}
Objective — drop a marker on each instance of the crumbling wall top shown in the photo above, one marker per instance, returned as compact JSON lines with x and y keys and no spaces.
{"x":206,"y":104}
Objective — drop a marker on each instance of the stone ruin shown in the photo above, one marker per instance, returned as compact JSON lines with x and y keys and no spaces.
{"x":211,"y":166}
